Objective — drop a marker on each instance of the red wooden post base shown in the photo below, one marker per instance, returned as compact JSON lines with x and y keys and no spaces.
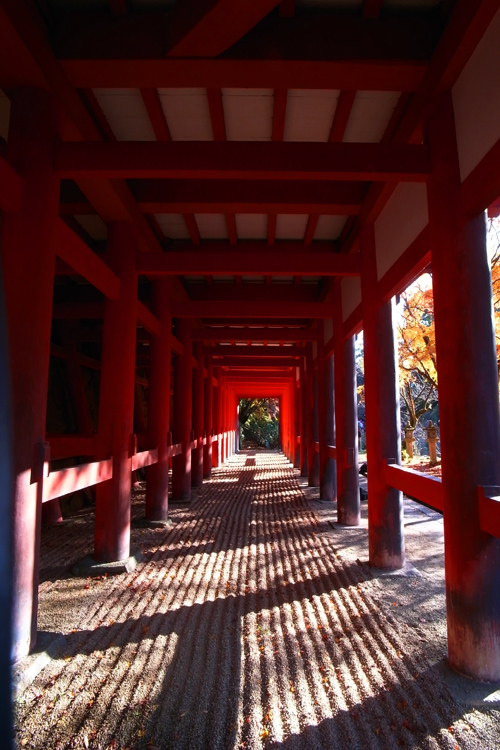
{"x":28,"y":259}
{"x":468,"y":408}
{"x":159,"y":407}
{"x":183,"y":380}
{"x":385,"y":507}
{"x":116,"y":400}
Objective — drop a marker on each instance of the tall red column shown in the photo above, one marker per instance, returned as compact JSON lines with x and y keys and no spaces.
{"x":346,"y":419}
{"x":116,"y":399}
{"x":198,"y":416}
{"x":28,"y":259}
{"x":217,"y":453}
{"x":209,"y":424}
{"x":303,"y":420}
{"x":296,"y":423}
{"x":468,"y":407}
{"x":383,"y":437}
{"x":326,"y":414}
{"x":312,"y":456}
{"x":159,"y":407}
{"x":183,"y":383}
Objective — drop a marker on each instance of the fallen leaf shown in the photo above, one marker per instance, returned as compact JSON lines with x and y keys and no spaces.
{"x":141,"y":733}
{"x":264,"y":733}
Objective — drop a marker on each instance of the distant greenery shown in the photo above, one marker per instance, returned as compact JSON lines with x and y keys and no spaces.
{"x":259,"y":421}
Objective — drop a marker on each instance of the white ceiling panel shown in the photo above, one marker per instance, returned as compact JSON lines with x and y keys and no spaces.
{"x":187,"y":114}
{"x":309,"y":114}
{"x":94,"y":225}
{"x":173,"y":226}
{"x":248,"y":114}
{"x":126,"y":114}
{"x":212,"y":226}
{"x":251,"y":226}
{"x":370,"y":116}
{"x":291,"y":226}
{"x":329,"y":227}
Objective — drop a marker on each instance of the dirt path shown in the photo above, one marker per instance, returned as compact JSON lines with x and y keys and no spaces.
{"x":250,"y":623}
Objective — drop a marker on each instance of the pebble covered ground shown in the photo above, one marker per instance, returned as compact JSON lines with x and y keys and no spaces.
{"x":248,"y":624}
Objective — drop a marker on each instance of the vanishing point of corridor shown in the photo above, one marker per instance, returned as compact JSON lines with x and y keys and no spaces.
{"x":243,"y":627}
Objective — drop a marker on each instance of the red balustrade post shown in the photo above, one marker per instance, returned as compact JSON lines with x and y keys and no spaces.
{"x":182,"y":413}
{"x":383,"y":439}
{"x":159,"y":406}
{"x":468,"y":406}
{"x":116,"y":400}
{"x":28,"y":260}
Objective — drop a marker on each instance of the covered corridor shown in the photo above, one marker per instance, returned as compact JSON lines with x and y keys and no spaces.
{"x":250,"y":623}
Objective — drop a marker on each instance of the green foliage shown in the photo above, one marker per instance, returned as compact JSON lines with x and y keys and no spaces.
{"x":259,"y":421}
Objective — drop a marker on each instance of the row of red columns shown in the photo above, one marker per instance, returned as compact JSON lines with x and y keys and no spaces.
{"x":468,"y":392}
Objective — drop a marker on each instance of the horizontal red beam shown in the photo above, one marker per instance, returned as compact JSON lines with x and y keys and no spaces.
{"x":332,"y":451}
{"x":489,"y":510}
{"x":428,"y":490}
{"x":73,"y":251}
{"x":257,"y":363}
{"x":242,"y":160}
{"x":249,"y":259}
{"x":64,"y":481}
{"x":11,"y":188}
{"x":144,"y":458}
{"x":68,"y":446}
{"x":148,"y":321}
{"x":366,"y":75}
{"x":482,"y":186}
{"x":317,"y":310}
{"x":254,"y":351}
{"x":242,"y":196}
{"x":253,"y":334}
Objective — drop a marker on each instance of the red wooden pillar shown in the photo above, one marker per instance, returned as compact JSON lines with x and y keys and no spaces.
{"x":312,"y":457}
{"x":296,"y":423}
{"x":326,"y":414}
{"x":237,"y":424}
{"x":346,"y":419}
{"x":28,"y":259}
{"x":468,"y":407}
{"x":303,"y":420}
{"x":183,"y":384}
{"x":159,"y":407}
{"x":216,"y":454}
{"x":116,"y":400}
{"x":383,"y":438}
{"x":198,"y":416}
{"x":209,"y":425}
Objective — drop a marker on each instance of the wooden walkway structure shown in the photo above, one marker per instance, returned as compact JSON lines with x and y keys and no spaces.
{"x":214,"y":197}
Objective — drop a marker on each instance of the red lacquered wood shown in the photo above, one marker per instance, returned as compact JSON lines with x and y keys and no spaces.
{"x":198,"y":416}
{"x":182,"y":414}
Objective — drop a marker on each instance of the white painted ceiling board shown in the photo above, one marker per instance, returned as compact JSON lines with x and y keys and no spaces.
{"x":251,"y":226}
{"x":370,"y":116}
{"x":187,"y":114}
{"x":291,"y":226}
{"x":212,"y":226}
{"x":329,"y":227}
{"x":126,"y":114}
{"x":248,"y":114}
{"x":173,"y":226}
{"x":309,"y":114}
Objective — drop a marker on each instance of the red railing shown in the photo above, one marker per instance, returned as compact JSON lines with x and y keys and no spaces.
{"x":428,"y":490}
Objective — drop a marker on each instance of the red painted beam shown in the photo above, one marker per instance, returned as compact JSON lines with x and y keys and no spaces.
{"x":252,"y":310}
{"x":257,"y":363}
{"x":11,"y":188}
{"x":279,"y":114}
{"x":482,"y":186}
{"x":371,"y":8}
{"x":243,"y":160}
{"x":73,"y":251}
{"x":144,"y":458}
{"x":148,"y":321}
{"x":242,"y":196}
{"x":250,"y":260}
{"x":254,"y":351}
{"x":64,"y":481}
{"x":407,"y":268}
{"x":489,"y":510}
{"x":253,"y":334}
{"x":156,"y":114}
{"x":415,"y":484}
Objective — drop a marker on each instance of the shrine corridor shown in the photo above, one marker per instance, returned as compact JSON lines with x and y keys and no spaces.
{"x":243,"y":627}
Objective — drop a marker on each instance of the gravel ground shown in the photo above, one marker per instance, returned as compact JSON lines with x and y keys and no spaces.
{"x":252,"y":622}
